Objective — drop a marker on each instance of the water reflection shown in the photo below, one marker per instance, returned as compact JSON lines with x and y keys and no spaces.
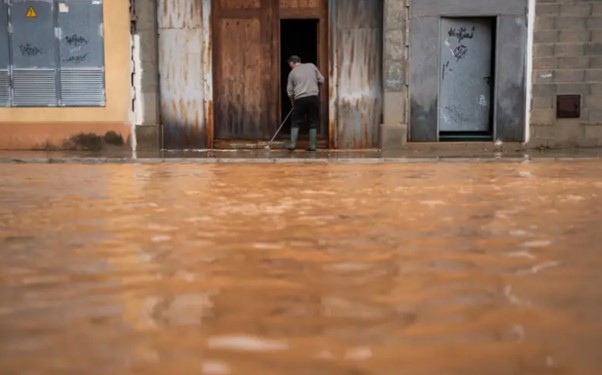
{"x":273,"y":269}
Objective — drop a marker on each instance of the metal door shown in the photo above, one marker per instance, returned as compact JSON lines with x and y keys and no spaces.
{"x":358,"y":61}
{"x":81,"y":52}
{"x":185,"y":114}
{"x":465,"y":96}
{"x":245,"y":89}
{"x":34,"y":53}
{"x":4,"y":56}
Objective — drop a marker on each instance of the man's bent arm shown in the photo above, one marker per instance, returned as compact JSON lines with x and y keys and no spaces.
{"x":319,"y":76}
{"x":290,"y":88}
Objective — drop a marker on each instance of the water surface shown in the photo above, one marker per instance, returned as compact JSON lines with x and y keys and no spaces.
{"x":438,"y":269}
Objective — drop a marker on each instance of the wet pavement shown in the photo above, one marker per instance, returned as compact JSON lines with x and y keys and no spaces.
{"x":473,"y":152}
{"x":334,"y":269}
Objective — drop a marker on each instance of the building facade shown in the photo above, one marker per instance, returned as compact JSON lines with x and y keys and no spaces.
{"x":64,"y":71}
{"x":567,"y":74}
{"x":203,"y":74}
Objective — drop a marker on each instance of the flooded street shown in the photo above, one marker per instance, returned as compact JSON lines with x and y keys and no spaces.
{"x":407,"y":269}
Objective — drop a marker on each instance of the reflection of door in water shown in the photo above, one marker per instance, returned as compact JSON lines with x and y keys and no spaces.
{"x":466,"y":81}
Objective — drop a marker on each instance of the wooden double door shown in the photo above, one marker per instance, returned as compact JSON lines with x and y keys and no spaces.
{"x":249,"y":65}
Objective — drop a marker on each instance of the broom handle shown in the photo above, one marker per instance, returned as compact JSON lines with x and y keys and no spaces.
{"x":281,"y":125}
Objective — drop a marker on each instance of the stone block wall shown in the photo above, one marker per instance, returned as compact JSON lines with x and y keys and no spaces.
{"x":145,"y":70}
{"x":394,"y":131}
{"x":567,"y":59}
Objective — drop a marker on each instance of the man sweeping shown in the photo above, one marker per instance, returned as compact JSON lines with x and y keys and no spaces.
{"x":303,"y":90}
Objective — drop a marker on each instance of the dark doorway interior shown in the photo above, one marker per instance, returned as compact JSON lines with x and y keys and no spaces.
{"x":297,"y":37}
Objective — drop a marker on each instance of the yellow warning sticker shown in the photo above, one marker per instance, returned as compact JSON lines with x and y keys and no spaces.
{"x":31,"y":13}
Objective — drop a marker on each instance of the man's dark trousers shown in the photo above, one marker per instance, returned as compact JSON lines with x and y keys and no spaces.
{"x":307,"y":108}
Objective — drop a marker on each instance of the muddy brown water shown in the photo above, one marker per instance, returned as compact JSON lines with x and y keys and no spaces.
{"x":438,"y":269}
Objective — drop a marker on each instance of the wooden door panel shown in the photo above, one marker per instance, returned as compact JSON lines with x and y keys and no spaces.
{"x":300,"y":3}
{"x":242,"y":55}
{"x":240,"y":99}
{"x":246,"y":63}
{"x":240,"y":4}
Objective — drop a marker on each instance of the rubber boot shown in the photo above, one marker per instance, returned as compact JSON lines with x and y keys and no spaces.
{"x":313,"y":140}
{"x":294,"y":135}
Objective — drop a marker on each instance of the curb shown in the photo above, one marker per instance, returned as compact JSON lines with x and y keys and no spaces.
{"x":290,"y":161}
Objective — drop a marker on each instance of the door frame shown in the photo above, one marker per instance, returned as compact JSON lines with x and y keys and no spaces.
{"x":327,"y":49}
{"x":207,"y":64}
{"x":333,"y":88}
{"x":323,"y":59}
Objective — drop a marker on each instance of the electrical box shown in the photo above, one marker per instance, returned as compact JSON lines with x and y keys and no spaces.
{"x":568,"y":106}
{"x":4,"y":56}
{"x":51,"y":53}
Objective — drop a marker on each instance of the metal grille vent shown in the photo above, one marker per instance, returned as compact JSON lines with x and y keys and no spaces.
{"x":82,"y":87}
{"x":34,"y":88}
{"x":4,"y":88}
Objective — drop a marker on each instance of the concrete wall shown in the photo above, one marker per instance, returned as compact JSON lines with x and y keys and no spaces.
{"x":567,"y":60}
{"x":510,"y":75}
{"x":35,"y":128}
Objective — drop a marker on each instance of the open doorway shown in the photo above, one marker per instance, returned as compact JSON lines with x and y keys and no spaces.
{"x":297,"y":37}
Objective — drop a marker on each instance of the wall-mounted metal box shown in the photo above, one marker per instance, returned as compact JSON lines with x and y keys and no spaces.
{"x":568,"y":106}
{"x":4,"y":56}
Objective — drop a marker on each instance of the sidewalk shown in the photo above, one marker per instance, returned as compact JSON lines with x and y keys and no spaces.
{"x":413,"y":154}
